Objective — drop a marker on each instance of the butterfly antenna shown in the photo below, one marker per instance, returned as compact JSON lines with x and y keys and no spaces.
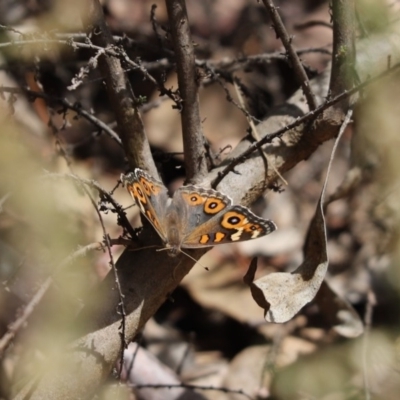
{"x":192,"y":258}
{"x":163,"y":249}
{"x":187,"y":255}
{"x":144,"y":248}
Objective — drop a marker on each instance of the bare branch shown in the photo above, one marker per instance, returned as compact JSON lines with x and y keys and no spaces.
{"x":193,"y":140}
{"x":120,"y":93}
{"x":343,"y":60}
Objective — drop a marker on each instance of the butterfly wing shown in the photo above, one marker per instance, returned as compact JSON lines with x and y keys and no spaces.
{"x":151,"y":196}
{"x":196,"y":206}
{"x":227,"y":225}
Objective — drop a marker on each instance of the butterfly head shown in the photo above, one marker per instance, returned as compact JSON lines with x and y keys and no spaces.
{"x":173,"y":251}
{"x":172,"y":242}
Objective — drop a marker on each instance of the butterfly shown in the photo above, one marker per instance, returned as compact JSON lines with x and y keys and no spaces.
{"x":194,"y":217}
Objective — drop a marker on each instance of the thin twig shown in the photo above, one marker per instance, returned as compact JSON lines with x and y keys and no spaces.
{"x":312,"y":23}
{"x":193,"y":387}
{"x":121,"y":304}
{"x":227,"y":65}
{"x":137,"y":66}
{"x":111,"y":50}
{"x":107,"y":242}
{"x":65,"y":103}
{"x":11,"y":29}
{"x":230,"y":65}
{"x":84,"y":71}
{"x":92,"y":183}
{"x":154,"y":25}
{"x":295,"y":62}
{"x":227,"y":76}
{"x":212,"y":72}
{"x":256,"y":135}
{"x":371,"y":302}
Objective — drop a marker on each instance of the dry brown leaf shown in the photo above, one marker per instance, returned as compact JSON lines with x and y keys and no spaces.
{"x":338,"y":312}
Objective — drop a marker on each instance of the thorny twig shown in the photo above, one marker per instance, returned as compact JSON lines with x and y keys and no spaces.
{"x":298,"y":121}
{"x":228,"y":65}
{"x":65,"y":103}
{"x":107,"y":243}
{"x":92,"y":183}
{"x":293,"y":57}
{"x":194,"y":387}
{"x":121,"y":304}
{"x":211,"y":71}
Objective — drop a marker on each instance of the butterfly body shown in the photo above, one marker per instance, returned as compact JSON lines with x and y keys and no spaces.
{"x":194,"y":217}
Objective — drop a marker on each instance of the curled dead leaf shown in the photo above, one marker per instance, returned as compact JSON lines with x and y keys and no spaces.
{"x":283,"y":294}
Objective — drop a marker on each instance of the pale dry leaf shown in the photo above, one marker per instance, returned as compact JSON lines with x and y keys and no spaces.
{"x":283,"y":294}
{"x":253,"y":369}
{"x":152,"y":379}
